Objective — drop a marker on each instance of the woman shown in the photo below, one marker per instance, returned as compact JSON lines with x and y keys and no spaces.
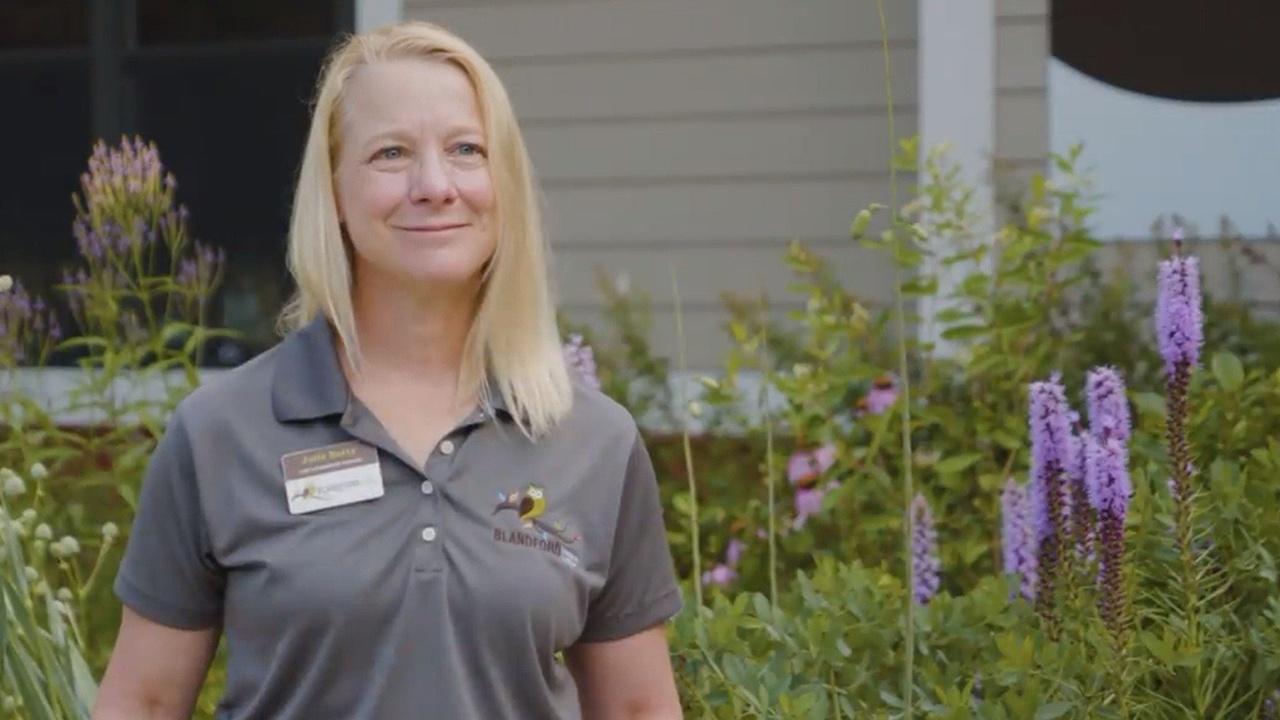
{"x":407,"y":508}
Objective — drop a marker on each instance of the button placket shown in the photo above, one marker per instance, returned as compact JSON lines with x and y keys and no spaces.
{"x":432,"y":532}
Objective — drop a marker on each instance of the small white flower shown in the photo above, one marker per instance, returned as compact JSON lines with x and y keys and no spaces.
{"x":6,"y":283}
{"x":110,"y":531}
{"x":64,"y":594}
{"x":28,"y":516}
{"x":12,"y":483}
{"x":40,"y":588}
{"x":70,"y":545}
{"x":56,"y":550}
{"x":695,"y":408}
{"x":39,"y":472}
{"x":31,"y":574}
{"x":44,"y":532}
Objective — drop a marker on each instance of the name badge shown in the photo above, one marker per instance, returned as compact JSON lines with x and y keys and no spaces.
{"x":330,"y":476}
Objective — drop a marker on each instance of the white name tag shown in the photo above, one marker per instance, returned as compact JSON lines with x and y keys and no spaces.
{"x":330,"y":476}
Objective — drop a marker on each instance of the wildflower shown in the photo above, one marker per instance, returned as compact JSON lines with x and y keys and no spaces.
{"x":925,"y":565}
{"x":68,"y":546}
{"x":733,"y":553}
{"x":28,"y":516}
{"x":38,"y":471}
{"x":1018,"y":537}
{"x":11,"y":483}
{"x":44,"y":532}
{"x":579,"y":357}
{"x":110,"y":531}
{"x":805,"y":467}
{"x":30,"y":573}
{"x":6,"y":283}
{"x":882,"y":395}
{"x":1179,"y":320}
{"x":1051,"y":458}
{"x":64,"y":594}
{"x":1108,"y":408}
{"x":721,"y":575}
{"x":808,"y":501}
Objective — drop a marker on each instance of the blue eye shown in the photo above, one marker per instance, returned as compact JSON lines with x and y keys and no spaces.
{"x":390,"y":153}
{"x":473,"y":148}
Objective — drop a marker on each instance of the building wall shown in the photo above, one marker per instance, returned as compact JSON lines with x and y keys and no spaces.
{"x":1022,"y":100}
{"x":703,"y":134}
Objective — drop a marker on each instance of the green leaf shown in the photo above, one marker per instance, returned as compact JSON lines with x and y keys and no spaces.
{"x":964,"y":332}
{"x":1053,"y":710}
{"x":957,"y":463}
{"x":1228,"y":370}
{"x":860,"y":221}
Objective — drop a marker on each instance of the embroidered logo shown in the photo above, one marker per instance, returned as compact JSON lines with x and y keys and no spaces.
{"x":529,"y":506}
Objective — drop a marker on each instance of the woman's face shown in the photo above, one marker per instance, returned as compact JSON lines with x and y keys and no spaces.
{"x":412,"y":177}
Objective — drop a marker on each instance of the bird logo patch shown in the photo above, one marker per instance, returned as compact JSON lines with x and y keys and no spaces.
{"x":535,"y":531}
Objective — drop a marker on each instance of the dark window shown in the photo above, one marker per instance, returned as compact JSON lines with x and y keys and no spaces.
{"x":221,"y":87}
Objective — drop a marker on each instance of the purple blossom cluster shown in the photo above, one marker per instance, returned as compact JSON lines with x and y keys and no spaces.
{"x":1018,"y":536}
{"x":200,"y":274}
{"x":581,"y":360}
{"x":804,"y":469}
{"x":1179,"y":318}
{"x":925,"y":566}
{"x":25,"y":321}
{"x":882,"y":395}
{"x":724,"y":573}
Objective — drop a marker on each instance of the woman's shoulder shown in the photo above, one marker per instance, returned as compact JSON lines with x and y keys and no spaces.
{"x":598,"y":418}
{"x":234,"y":394}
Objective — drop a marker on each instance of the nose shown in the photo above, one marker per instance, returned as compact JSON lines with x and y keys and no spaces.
{"x":431,"y":180}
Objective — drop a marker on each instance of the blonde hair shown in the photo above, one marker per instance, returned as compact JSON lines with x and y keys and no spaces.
{"x":514,"y":346}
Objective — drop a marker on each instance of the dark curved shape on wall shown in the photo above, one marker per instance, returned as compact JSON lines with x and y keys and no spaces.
{"x":1197,"y":50}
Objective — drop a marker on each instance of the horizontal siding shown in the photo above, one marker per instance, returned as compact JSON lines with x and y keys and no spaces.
{"x":1022,"y":126}
{"x":717,"y":212}
{"x":1258,"y":284}
{"x":1022,"y":8}
{"x":743,"y":82}
{"x":745,"y":146}
{"x":528,"y":30}
{"x":703,"y":272}
{"x":1022,"y":53}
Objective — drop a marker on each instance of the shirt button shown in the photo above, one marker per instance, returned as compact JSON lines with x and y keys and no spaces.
{"x":428,"y":533}
{"x":446,"y":447}
{"x":427,"y":488}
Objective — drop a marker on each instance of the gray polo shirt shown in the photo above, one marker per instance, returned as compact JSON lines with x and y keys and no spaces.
{"x":445,"y":597}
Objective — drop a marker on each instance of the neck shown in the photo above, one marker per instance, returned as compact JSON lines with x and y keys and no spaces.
{"x":412,"y":337}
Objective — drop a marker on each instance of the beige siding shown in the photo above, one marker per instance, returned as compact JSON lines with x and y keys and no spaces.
{"x":703,"y":134}
{"x":1022,"y":101}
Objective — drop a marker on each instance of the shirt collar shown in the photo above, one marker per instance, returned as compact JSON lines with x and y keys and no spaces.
{"x":309,"y":383}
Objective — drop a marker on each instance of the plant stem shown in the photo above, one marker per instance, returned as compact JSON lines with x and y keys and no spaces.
{"x":766,"y":367}
{"x":688,"y":460}
{"x":908,"y":489}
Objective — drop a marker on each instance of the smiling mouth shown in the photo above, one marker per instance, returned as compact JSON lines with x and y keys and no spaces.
{"x":430,"y":229}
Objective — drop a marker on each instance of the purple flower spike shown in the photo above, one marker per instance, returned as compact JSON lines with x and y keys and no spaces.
{"x":808,"y":501}
{"x":580,"y":358}
{"x":1179,"y":320}
{"x":1018,"y":536}
{"x":1107,"y":470}
{"x":1108,"y":408}
{"x":1052,"y":454}
{"x":925,"y":565}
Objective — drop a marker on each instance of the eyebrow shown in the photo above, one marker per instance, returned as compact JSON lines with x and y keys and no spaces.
{"x":400,"y":133}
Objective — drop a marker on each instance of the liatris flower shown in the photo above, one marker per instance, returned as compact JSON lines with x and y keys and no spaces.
{"x":805,"y":467}
{"x":1018,"y":537}
{"x":1082,"y":516}
{"x":1051,"y":458}
{"x":925,"y":565}
{"x":882,"y":395}
{"x":1109,"y":493}
{"x":581,"y":359}
{"x":1108,"y":407}
{"x":1179,"y":320}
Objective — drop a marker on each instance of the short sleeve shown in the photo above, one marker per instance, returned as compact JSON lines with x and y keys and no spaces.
{"x":641,"y":588}
{"x":168,"y":574}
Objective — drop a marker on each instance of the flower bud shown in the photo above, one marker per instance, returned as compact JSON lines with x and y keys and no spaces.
{"x":44,"y":532}
{"x":11,"y":483}
{"x":70,"y":545}
{"x":110,"y":531}
{"x":6,"y":283}
{"x":31,"y":574}
{"x":64,"y":594}
{"x":39,"y":472}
